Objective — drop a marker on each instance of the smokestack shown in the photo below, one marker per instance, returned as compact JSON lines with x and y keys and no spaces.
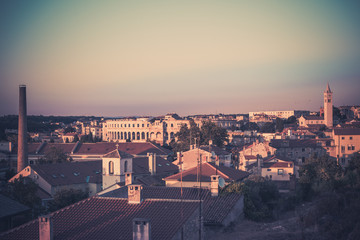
{"x":22,"y":130}
{"x":141,"y":229}
{"x":45,"y":228}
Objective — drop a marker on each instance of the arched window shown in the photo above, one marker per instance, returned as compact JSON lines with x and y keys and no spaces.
{"x":111,"y":167}
{"x":125,"y":166}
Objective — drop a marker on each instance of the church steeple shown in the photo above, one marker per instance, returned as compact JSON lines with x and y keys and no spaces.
{"x":328,"y":107}
{"x":328,"y":90}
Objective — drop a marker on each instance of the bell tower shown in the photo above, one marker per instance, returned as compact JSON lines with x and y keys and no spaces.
{"x":328,"y":107}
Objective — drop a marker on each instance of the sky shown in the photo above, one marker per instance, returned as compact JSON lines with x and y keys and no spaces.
{"x":137,"y":58}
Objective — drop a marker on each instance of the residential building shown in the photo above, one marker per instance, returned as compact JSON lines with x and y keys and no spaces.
{"x":298,"y":150}
{"x":201,"y":176}
{"x":132,"y":217}
{"x":51,"y":178}
{"x":210,"y":153}
{"x":278,"y":114}
{"x":347,"y":142}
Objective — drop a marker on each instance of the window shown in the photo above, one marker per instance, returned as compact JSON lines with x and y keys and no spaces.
{"x":342,"y":148}
{"x":342,"y":138}
{"x":125,"y":166}
{"x":269,"y":170}
{"x":111,"y":167}
{"x":280,"y":171}
{"x":350,"y":138}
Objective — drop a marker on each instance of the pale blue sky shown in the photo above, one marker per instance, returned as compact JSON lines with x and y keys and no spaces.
{"x":120,"y":58}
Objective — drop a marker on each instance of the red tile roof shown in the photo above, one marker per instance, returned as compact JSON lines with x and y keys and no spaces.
{"x":215,"y":209}
{"x":117,"y":154}
{"x":296,"y":143}
{"x":99,"y":148}
{"x":278,"y":165}
{"x":102,"y":148}
{"x":110,"y":218}
{"x":218,"y":151}
{"x":141,"y":166}
{"x":59,"y":174}
{"x":347,"y":131}
{"x":310,"y":117}
{"x":208,"y":169}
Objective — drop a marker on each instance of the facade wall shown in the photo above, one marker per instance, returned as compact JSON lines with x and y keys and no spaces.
{"x":277,"y":173}
{"x":142,"y":130}
{"x":345,"y":146}
{"x":190,"y":229}
{"x":113,"y":170}
{"x":299,"y":154}
{"x":280,"y":114}
{"x":174,"y":183}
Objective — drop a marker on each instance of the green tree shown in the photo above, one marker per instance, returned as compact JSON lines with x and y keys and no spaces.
{"x":54,"y":155}
{"x":67,"y":197}
{"x":291,"y":120}
{"x":260,"y":199}
{"x":268,"y":128}
{"x":24,"y":191}
{"x":279,"y":125}
{"x":210,"y":131}
{"x":250,"y":126}
{"x":185,"y":137}
{"x":76,"y":138}
{"x":319,"y":174}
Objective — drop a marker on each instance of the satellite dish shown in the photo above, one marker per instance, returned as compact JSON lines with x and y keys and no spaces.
{"x":221,"y":182}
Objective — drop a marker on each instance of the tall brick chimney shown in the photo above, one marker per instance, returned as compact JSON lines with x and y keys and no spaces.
{"x":22,"y":130}
{"x":45,"y":228}
{"x":135,"y":194}
{"x":141,"y":229}
{"x":214,"y":185}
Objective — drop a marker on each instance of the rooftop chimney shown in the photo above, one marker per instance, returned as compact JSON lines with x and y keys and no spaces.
{"x":22,"y":130}
{"x":152,"y":163}
{"x":45,"y":228}
{"x":135,"y":193}
{"x":214,"y":185}
{"x":128,"y":178}
{"x":141,"y":229}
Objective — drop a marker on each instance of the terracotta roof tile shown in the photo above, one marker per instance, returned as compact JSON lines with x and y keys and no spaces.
{"x":297,"y":143}
{"x":347,"y":131}
{"x":102,"y":148}
{"x":208,"y":169}
{"x":58,"y":174}
{"x":105,"y":218}
{"x":215,"y":209}
{"x":141,"y":166}
{"x":218,"y":151}
{"x":117,"y":154}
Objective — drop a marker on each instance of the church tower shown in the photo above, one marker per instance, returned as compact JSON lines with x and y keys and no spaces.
{"x":115,"y":165}
{"x":328,"y":107}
